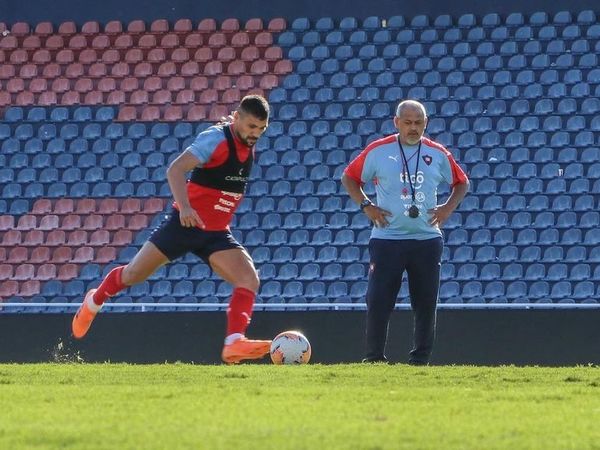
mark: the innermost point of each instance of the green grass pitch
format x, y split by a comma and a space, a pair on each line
183, 406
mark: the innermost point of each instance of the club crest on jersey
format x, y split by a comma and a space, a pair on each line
427, 159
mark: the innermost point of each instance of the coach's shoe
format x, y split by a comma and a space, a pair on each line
245, 349
84, 316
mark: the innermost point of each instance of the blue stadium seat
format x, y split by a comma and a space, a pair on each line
512, 271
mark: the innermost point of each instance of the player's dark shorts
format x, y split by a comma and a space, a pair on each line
175, 240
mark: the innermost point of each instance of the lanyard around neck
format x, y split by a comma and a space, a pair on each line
405, 164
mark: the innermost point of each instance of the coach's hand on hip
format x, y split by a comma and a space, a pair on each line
377, 215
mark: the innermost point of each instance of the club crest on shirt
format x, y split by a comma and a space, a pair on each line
427, 159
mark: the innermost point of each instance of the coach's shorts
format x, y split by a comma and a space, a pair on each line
175, 240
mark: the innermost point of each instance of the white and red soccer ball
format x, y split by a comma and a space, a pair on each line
290, 347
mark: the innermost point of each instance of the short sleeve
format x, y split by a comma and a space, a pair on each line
206, 143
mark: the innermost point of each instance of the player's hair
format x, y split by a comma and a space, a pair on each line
410, 104
255, 105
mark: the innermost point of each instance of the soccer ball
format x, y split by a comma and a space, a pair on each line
290, 347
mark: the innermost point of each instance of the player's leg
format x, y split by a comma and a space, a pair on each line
144, 264
385, 278
423, 283
235, 266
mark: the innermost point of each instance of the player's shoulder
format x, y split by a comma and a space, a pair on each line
381, 143
436, 146
211, 137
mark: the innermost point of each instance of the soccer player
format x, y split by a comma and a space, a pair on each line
220, 159
407, 169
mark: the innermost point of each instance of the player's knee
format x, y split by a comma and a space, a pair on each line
249, 281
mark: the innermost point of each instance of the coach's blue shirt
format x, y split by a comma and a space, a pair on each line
382, 163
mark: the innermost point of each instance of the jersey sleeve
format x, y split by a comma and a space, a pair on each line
452, 172
206, 143
361, 168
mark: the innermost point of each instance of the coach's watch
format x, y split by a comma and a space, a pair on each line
366, 202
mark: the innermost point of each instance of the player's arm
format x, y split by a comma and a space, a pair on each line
374, 213
176, 176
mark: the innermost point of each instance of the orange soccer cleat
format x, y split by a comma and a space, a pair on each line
245, 349
84, 316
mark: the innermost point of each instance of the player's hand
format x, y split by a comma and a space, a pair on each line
190, 218
439, 214
377, 215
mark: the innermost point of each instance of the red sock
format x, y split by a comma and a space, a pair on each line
239, 311
111, 285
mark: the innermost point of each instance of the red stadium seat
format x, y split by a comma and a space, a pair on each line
257, 91
51, 70
236, 68
48, 222
29, 288
105, 255
268, 82
199, 83
108, 206
170, 40
56, 238
150, 114
213, 68
64, 206
231, 96
217, 112
6, 272
183, 26
55, 42
185, 97
7, 71
67, 28
226, 54
131, 206
93, 222
46, 272
162, 97
208, 97
85, 206
9, 42
127, 114
78, 42
31, 42
101, 42
116, 98
207, 25
2, 254
9, 288
19, 56
91, 27
134, 56
87, 56
250, 54
240, 40
63, 57
44, 29
71, 222
159, 26
138, 222
196, 113
190, 69
70, 98
115, 222
230, 24
147, 41
17, 255
77, 238
273, 54
67, 271
259, 67
167, 69
97, 70
254, 24
152, 84
138, 97
180, 55
153, 205
5, 98
111, 56
203, 54
38, 86
283, 67
129, 84
74, 70
123, 41
176, 84
15, 85
120, 70
94, 98
20, 29
217, 40
60, 85
41, 206
122, 238
99, 237
24, 272
40, 255
83, 255
143, 70
33, 238
222, 82
173, 113
47, 98
277, 25
7, 223
245, 82
83, 85
27, 222
25, 98
193, 40
136, 27
113, 27
156, 55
